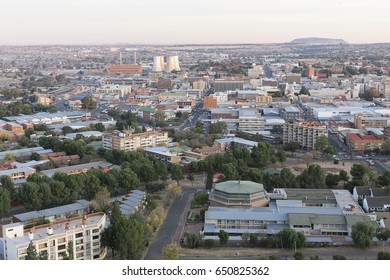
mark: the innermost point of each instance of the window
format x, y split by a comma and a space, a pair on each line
78, 235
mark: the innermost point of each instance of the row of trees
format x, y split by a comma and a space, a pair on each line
147, 169
69, 146
20, 107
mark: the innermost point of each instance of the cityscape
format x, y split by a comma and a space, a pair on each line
190, 148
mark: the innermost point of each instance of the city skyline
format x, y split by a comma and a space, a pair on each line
191, 22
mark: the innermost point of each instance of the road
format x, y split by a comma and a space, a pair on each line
167, 231
197, 113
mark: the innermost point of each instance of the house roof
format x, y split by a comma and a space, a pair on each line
363, 190
379, 201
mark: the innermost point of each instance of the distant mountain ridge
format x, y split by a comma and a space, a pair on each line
318, 41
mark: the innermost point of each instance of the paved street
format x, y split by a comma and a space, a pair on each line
172, 222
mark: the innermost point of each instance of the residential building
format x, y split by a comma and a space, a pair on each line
362, 121
163, 154
77, 169
359, 142
18, 173
376, 204
128, 141
84, 232
387, 86
306, 133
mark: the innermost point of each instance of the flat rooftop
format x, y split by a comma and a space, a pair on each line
312, 196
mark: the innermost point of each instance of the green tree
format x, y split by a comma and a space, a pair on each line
321, 143
67, 129
176, 172
5, 200
245, 236
9, 156
7, 183
28, 132
101, 203
339, 257
312, 178
217, 128
193, 239
32, 253
223, 237
191, 178
88, 103
292, 239
171, 251
299, 256
253, 239
100, 127
332, 180
343, 175
304, 91
291, 147
362, 234
35, 156
69, 255
383, 256
329, 152
209, 243
361, 174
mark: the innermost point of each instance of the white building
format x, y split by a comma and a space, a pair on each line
83, 232
306, 133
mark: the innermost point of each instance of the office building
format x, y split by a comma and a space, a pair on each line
306, 133
128, 141
358, 142
362, 121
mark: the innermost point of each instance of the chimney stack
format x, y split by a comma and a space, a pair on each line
67, 226
85, 221
135, 57
30, 235
49, 231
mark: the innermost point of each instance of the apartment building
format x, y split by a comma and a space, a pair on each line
360, 142
306, 133
128, 141
18, 173
53, 239
362, 121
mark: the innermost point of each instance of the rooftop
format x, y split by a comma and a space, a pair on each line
239, 187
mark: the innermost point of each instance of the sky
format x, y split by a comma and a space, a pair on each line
30, 22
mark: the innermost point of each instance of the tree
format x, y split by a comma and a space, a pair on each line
312, 178
299, 256
69, 255
292, 239
101, 201
7, 183
171, 251
245, 236
223, 237
100, 127
35, 156
28, 132
383, 256
5, 200
384, 179
88, 103
339, 257
209, 243
67, 129
217, 128
332, 180
32, 253
362, 234
253, 239
307, 159
383, 234
304, 91
343, 175
329, 152
321, 143
191, 178
292, 147
209, 178
176, 172
361, 174
9, 156
193, 239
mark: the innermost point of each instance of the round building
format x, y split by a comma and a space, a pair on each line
238, 194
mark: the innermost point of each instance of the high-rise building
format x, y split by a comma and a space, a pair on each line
127, 141
53, 240
306, 133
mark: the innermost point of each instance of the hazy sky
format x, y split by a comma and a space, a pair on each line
191, 21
